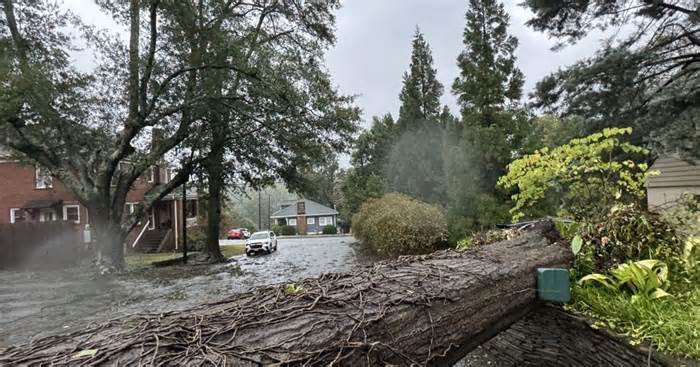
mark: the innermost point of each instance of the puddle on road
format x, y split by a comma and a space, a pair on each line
36, 304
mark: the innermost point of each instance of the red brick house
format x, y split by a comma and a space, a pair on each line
28, 194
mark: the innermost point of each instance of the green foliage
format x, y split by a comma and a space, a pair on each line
464, 244
685, 219
396, 224
415, 165
488, 77
421, 92
684, 216
294, 289
482, 238
197, 237
670, 324
551, 131
587, 172
330, 229
576, 245
644, 279
636, 80
287, 230
629, 233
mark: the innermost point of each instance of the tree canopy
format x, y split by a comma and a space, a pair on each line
648, 79
249, 72
421, 91
489, 77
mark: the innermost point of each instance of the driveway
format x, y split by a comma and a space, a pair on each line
51, 302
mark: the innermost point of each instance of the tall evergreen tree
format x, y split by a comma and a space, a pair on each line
489, 78
488, 89
421, 92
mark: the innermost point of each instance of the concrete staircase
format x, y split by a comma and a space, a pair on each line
151, 240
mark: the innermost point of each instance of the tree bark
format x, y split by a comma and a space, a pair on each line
109, 237
416, 310
215, 178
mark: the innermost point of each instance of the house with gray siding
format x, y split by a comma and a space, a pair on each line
677, 177
307, 216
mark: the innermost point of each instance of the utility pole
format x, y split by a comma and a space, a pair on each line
184, 221
259, 211
269, 212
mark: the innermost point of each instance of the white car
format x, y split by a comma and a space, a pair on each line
261, 241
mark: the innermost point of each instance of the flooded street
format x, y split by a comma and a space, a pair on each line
34, 304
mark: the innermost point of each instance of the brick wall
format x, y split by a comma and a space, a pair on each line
18, 185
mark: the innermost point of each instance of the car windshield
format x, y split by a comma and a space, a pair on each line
259, 236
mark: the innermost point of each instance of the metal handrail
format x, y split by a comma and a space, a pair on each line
148, 222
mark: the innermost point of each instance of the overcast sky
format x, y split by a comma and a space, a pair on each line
374, 46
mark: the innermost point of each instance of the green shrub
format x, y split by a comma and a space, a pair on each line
197, 237
397, 224
630, 233
330, 229
287, 230
685, 219
589, 174
644, 279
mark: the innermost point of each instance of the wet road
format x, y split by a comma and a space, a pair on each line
38, 304
299, 258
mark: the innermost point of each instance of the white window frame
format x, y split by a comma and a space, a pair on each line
310, 220
292, 222
65, 212
152, 174
42, 181
13, 216
325, 221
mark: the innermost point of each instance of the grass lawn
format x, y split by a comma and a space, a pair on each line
232, 250
134, 261
671, 324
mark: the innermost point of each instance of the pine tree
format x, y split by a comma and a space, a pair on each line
489, 78
421, 92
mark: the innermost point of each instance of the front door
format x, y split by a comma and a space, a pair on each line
47, 215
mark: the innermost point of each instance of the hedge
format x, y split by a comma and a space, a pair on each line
397, 224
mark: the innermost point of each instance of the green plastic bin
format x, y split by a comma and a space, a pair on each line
553, 285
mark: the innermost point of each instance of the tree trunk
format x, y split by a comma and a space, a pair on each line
419, 310
215, 177
109, 238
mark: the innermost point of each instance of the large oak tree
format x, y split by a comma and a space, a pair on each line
84, 126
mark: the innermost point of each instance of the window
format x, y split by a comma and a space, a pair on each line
151, 174
292, 221
131, 208
47, 215
42, 178
325, 221
310, 220
71, 213
17, 215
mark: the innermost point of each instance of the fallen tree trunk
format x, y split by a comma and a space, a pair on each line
415, 310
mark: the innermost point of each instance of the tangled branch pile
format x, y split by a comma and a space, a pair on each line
415, 310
